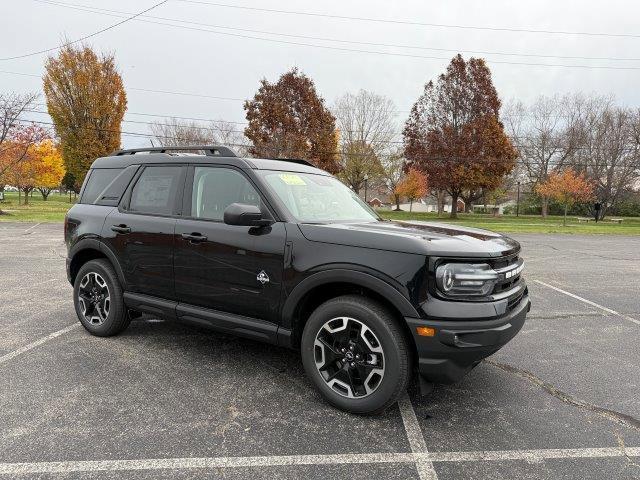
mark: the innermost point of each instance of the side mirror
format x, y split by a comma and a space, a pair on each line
245, 215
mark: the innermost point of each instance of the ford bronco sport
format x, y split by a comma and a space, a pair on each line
282, 252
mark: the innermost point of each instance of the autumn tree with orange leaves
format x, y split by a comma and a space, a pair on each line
288, 119
567, 188
454, 134
413, 186
86, 100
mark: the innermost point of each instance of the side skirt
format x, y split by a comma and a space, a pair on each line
253, 328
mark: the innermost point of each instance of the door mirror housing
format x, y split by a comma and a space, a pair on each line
245, 215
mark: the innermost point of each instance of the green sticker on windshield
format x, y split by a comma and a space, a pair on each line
291, 179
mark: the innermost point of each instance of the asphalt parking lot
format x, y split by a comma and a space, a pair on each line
562, 400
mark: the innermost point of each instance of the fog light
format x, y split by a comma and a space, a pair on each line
426, 331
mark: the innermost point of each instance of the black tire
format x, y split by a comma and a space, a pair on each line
395, 353
105, 323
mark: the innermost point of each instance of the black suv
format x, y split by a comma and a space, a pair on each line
282, 252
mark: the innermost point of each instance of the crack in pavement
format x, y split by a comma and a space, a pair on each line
618, 417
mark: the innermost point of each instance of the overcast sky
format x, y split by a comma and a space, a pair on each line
162, 57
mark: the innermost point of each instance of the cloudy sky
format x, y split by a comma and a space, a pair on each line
210, 49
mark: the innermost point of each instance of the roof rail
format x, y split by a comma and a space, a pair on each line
210, 150
296, 160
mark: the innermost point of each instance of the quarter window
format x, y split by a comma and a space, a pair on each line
214, 189
155, 191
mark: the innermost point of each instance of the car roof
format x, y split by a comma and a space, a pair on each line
290, 165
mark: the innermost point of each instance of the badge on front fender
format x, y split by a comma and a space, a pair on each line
263, 277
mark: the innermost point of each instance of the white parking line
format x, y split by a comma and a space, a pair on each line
589, 302
32, 227
188, 463
416, 439
8, 356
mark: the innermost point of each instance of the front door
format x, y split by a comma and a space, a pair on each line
223, 267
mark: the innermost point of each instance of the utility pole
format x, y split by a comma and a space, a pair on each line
366, 178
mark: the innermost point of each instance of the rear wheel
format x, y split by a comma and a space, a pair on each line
98, 299
356, 354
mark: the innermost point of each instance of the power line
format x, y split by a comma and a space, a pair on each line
354, 50
337, 153
86, 36
409, 22
337, 40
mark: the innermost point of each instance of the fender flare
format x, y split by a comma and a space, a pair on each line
341, 275
96, 244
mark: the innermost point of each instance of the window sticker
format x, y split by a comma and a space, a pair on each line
291, 179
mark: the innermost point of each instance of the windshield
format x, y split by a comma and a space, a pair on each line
314, 198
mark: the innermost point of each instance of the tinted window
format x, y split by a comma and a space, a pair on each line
98, 180
111, 195
155, 191
214, 189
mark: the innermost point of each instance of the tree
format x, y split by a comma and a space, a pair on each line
547, 134
51, 170
453, 133
360, 164
366, 123
86, 100
173, 132
393, 172
566, 187
15, 135
413, 186
289, 119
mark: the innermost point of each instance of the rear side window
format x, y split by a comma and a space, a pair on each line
98, 180
155, 191
110, 196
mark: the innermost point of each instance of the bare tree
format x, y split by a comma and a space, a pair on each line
609, 152
366, 123
173, 132
544, 134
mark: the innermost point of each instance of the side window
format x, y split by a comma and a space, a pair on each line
214, 189
99, 179
155, 191
110, 196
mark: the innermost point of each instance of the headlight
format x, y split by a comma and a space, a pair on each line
466, 279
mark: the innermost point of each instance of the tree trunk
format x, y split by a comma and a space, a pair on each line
410, 204
545, 206
26, 197
45, 193
564, 220
440, 201
397, 199
19, 195
454, 206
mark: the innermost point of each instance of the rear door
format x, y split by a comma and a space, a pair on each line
223, 267
141, 231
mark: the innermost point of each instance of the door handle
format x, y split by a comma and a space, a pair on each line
194, 237
121, 228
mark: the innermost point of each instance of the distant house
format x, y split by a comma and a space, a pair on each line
376, 202
430, 204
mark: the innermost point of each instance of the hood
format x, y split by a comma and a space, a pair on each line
423, 238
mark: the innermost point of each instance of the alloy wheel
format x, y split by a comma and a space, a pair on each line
349, 357
94, 298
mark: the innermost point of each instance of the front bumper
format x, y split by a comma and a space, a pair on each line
458, 346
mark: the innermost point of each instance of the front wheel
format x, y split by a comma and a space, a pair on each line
356, 354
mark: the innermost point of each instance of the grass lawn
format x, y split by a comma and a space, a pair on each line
525, 223
38, 210
53, 210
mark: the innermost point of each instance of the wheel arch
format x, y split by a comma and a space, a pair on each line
323, 286
92, 249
